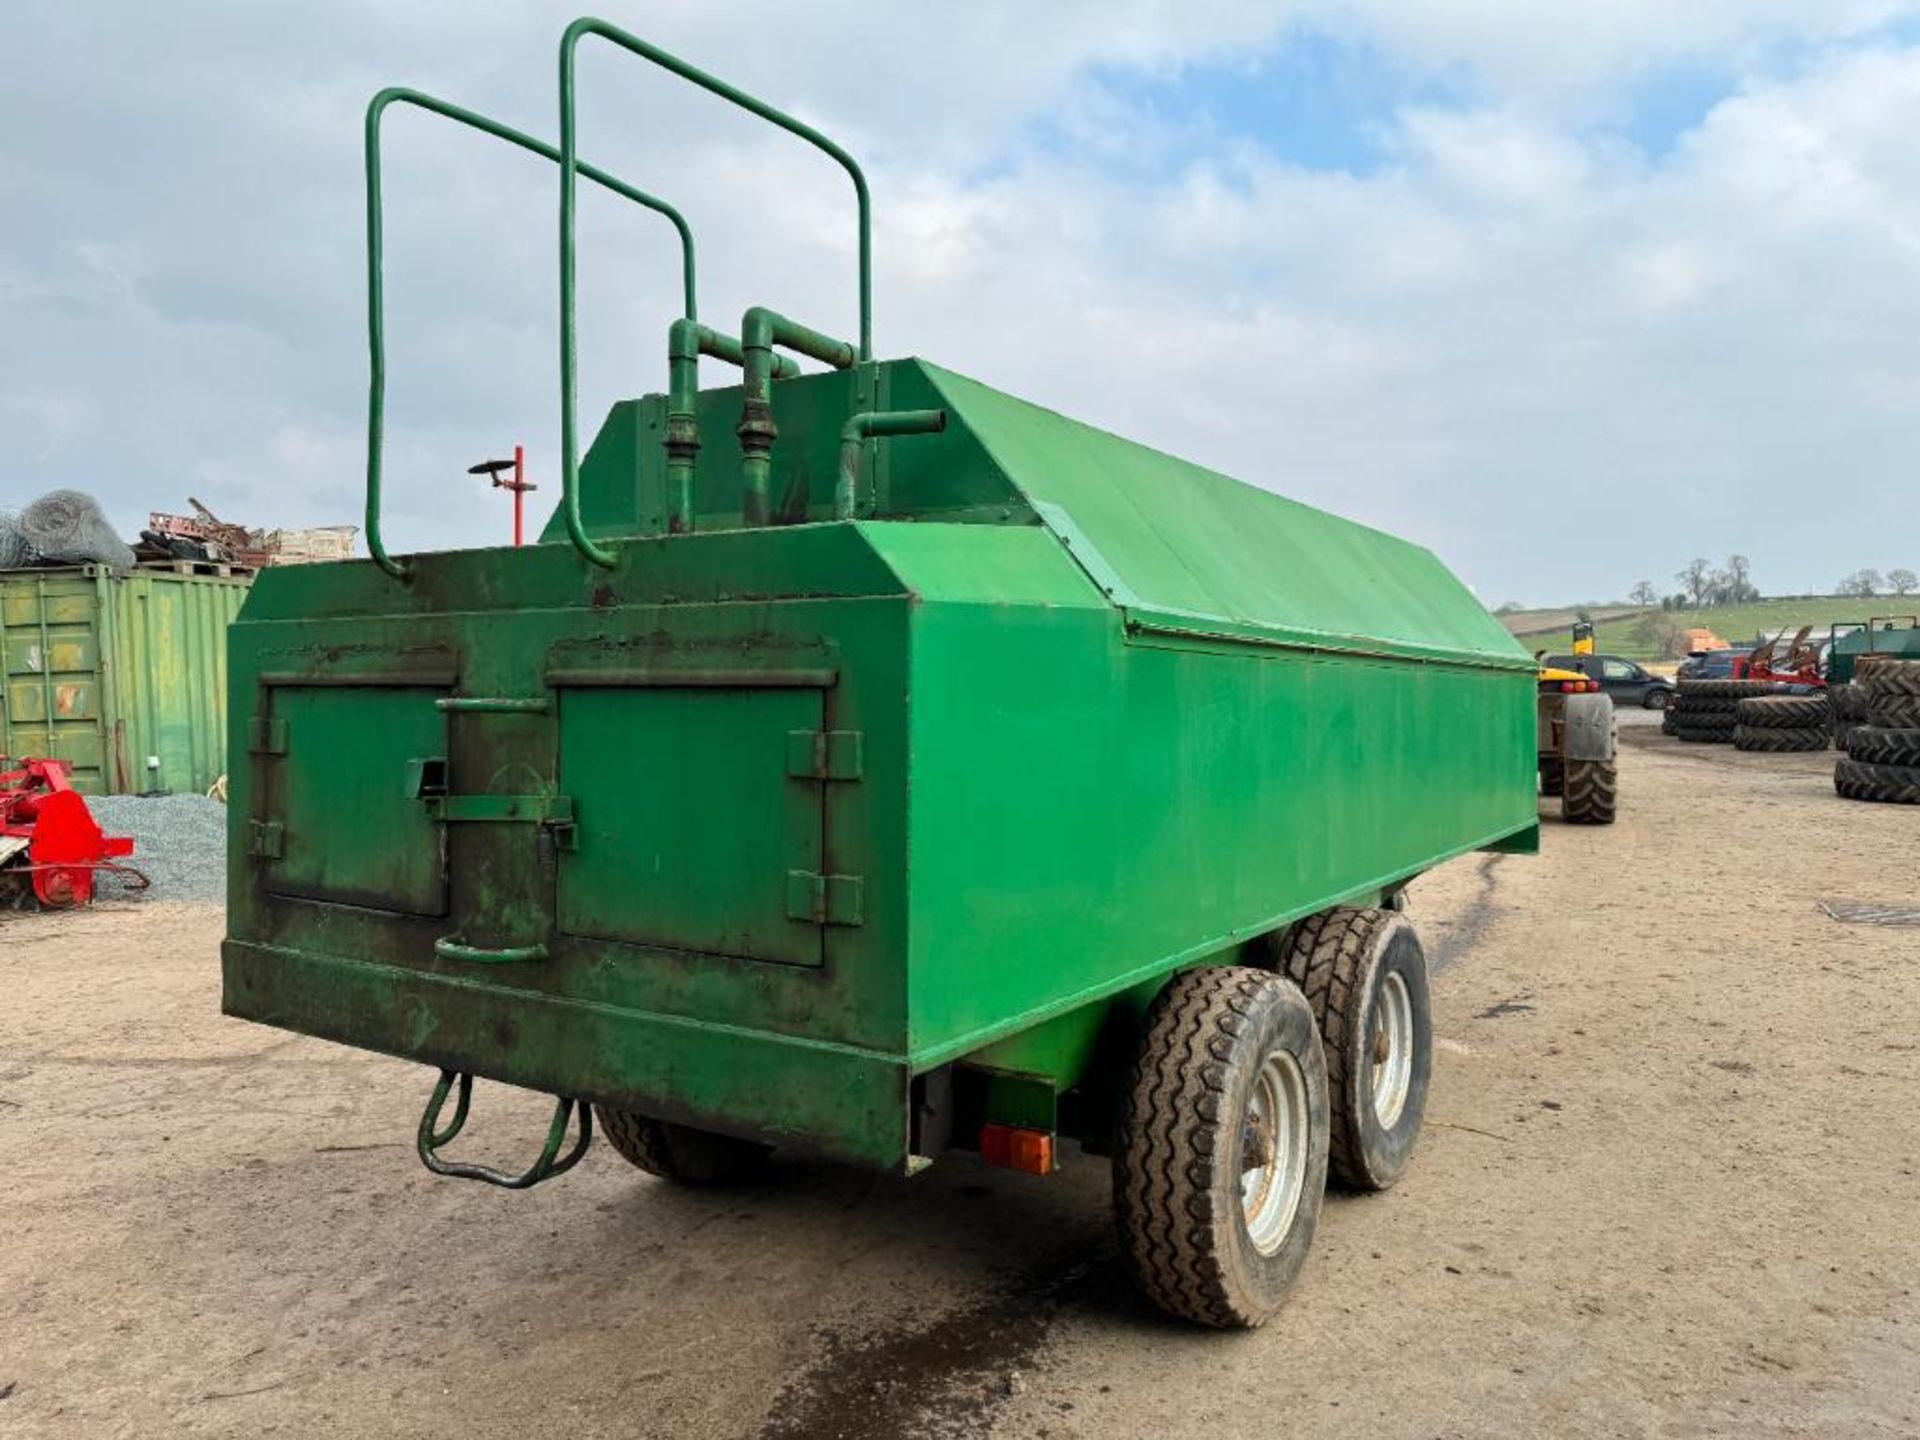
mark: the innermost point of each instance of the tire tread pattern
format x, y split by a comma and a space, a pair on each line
1592, 792
1876, 746
1889, 784
1174, 1110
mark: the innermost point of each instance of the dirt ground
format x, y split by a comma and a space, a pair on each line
1670, 1186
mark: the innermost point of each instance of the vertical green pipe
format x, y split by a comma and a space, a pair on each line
875, 424
376, 264
760, 330
686, 343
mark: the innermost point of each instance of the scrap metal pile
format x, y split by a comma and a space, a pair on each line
204, 536
51, 847
68, 527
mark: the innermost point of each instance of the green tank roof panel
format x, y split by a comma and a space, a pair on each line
1183, 548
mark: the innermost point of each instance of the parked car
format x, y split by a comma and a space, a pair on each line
1625, 681
1709, 665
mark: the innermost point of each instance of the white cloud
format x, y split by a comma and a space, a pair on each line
1565, 364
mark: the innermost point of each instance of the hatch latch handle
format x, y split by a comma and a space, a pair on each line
432, 1139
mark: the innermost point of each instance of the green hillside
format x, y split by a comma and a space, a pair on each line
1637, 634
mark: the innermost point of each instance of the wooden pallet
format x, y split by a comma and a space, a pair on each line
223, 568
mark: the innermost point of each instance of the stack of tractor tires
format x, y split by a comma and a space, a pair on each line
1883, 754
1778, 724
1704, 710
1849, 709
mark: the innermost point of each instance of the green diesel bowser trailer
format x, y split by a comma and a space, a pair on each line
869, 764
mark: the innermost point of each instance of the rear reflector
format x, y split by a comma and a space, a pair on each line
1028, 1151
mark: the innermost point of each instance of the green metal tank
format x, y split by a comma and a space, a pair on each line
865, 796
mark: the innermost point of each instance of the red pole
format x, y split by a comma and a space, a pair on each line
519, 493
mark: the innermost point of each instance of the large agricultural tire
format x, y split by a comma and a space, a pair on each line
1771, 739
1593, 787
1670, 722
1724, 689
680, 1152
1365, 975
1849, 702
1893, 712
1220, 1162
1784, 712
1707, 704
1874, 746
1553, 775
1893, 677
1706, 734
1892, 784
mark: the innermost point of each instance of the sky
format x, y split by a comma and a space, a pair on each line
1568, 293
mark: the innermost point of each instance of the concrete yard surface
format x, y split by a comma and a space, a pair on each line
1670, 1187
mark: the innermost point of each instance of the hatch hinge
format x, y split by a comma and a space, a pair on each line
266, 839
824, 754
266, 735
824, 899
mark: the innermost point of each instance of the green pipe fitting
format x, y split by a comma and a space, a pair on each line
687, 341
376, 269
569, 362
876, 425
760, 330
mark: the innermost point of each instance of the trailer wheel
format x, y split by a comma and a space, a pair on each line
680, 1152
1221, 1159
1365, 975
1593, 787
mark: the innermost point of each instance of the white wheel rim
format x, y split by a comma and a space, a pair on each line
1274, 1152
1392, 1049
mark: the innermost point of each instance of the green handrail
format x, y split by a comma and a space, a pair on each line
569, 425
376, 290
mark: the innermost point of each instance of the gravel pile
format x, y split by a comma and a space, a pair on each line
179, 842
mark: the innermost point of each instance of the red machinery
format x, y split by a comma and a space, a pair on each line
49, 837
1792, 662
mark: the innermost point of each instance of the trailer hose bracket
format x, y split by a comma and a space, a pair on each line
432, 1139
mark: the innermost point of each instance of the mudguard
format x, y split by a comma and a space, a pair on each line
1587, 728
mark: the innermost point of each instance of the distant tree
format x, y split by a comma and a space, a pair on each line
1739, 581
1862, 583
1902, 582
1508, 607
1644, 595
1695, 579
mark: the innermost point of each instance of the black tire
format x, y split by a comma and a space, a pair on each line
1874, 746
1187, 1134
1706, 735
1724, 689
1343, 960
680, 1152
1552, 775
1706, 705
1773, 740
1893, 677
1670, 722
1849, 702
1593, 787
1657, 699
1893, 712
1891, 784
1786, 712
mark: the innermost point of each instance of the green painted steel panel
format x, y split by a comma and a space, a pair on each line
1187, 548
112, 675
689, 823
341, 782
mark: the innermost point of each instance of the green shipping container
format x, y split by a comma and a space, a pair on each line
125, 680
